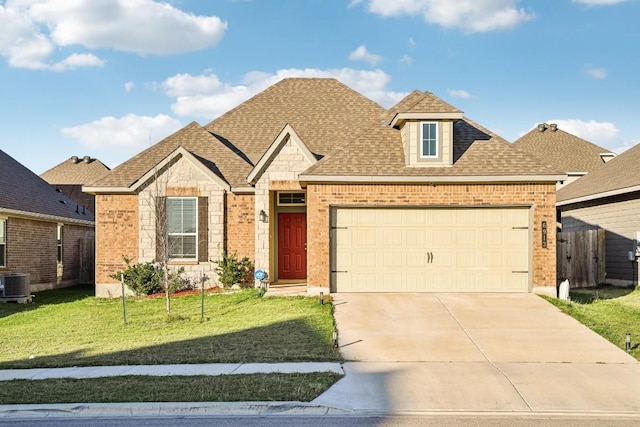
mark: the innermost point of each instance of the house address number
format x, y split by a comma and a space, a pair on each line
544, 234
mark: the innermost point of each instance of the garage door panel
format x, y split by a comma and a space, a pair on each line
427, 250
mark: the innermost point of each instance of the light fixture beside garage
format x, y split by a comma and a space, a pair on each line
263, 216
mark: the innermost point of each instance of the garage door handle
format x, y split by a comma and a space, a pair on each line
520, 271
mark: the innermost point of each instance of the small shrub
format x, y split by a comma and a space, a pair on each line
146, 278
233, 271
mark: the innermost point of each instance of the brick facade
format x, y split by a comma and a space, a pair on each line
32, 249
321, 197
240, 225
117, 231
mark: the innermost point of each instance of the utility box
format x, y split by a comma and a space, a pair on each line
15, 287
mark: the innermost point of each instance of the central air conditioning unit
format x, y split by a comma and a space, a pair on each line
15, 286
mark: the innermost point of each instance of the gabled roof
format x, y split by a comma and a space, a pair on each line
478, 154
423, 107
76, 170
618, 176
26, 194
287, 133
562, 150
218, 157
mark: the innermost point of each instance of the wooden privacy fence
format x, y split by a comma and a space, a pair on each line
86, 252
581, 257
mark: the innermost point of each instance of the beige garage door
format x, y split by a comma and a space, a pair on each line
430, 250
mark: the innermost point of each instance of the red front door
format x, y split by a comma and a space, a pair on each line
292, 245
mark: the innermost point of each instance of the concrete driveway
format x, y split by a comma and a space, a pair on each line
475, 352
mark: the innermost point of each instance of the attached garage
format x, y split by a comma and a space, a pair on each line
475, 249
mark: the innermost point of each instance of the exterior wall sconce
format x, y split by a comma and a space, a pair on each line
263, 216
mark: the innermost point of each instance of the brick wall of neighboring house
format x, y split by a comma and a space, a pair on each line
240, 225
31, 249
320, 197
117, 230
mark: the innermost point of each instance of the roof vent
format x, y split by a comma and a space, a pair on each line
74, 159
86, 159
542, 127
553, 127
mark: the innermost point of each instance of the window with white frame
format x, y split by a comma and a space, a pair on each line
59, 241
429, 139
182, 228
3, 242
297, 198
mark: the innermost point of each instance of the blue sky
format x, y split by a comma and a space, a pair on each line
107, 78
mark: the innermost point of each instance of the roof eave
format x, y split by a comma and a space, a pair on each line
45, 217
399, 118
601, 195
431, 179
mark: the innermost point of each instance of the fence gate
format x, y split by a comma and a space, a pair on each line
581, 257
86, 253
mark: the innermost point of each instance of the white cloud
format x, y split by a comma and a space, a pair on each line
600, 133
412, 42
361, 54
32, 29
599, 2
596, 72
407, 59
206, 96
468, 15
128, 86
354, 3
130, 132
459, 93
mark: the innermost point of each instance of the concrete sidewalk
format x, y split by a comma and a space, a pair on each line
168, 370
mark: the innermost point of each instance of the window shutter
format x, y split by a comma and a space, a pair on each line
203, 229
161, 229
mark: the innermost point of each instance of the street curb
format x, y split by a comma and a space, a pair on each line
165, 409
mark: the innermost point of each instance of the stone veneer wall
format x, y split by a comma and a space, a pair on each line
182, 179
320, 198
289, 161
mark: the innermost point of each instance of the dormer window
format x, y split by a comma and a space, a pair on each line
429, 139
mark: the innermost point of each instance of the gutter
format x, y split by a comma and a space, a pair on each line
598, 195
430, 179
46, 217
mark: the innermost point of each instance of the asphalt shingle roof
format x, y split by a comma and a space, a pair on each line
76, 170
562, 150
617, 174
212, 152
23, 190
476, 152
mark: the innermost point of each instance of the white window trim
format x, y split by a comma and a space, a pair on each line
3, 224
421, 141
60, 242
291, 204
169, 257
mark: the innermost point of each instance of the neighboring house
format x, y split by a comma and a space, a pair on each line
563, 151
41, 229
70, 175
319, 185
608, 198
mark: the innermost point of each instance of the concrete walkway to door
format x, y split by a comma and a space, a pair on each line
475, 352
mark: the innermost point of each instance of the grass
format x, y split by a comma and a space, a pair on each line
70, 327
610, 311
224, 388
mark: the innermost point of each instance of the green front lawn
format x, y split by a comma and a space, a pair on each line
224, 388
70, 327
610, 311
